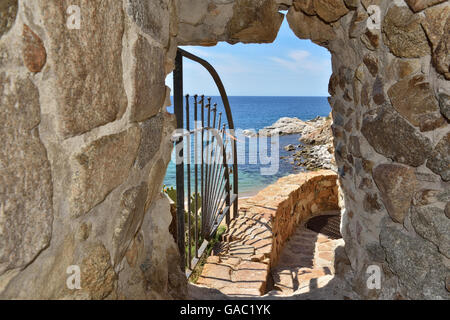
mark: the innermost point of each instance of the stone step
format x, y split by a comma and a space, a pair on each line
235, 276
306, 260
237, 249
258, 240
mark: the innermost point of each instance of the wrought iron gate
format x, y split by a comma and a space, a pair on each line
214, 193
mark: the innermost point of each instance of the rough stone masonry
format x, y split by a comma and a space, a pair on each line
81, 167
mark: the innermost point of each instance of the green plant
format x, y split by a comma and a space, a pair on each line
195, 217
190, 245
171, 192
198, 269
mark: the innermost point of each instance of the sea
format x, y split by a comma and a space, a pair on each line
256, 113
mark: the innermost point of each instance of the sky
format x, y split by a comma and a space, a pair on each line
287, 67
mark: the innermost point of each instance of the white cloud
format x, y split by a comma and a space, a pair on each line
302, 60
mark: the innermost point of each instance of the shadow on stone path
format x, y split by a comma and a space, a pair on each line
306, 257
305, 270
268, 253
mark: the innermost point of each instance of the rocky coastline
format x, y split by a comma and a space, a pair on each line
315, 149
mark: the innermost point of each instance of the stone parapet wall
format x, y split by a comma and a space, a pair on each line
292, 201
253, 243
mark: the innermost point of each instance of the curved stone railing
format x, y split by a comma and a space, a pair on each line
254, 241
292, 201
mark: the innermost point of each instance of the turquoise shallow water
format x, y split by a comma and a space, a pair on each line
257, 113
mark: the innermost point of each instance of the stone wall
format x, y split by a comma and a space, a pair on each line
390, 99
85, 145
389, 94
290, 202
86, 137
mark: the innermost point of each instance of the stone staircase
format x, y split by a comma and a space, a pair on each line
242, 265
306, 259
255, 256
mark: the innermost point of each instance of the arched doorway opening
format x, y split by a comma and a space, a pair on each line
294, 124
372, 67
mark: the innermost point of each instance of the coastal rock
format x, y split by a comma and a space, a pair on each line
316, 150
289, 147
316, 157
319, 133
283, 126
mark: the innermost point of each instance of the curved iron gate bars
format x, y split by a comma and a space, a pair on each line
215, 192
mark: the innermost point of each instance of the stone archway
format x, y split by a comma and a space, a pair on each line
87, 139
389, 96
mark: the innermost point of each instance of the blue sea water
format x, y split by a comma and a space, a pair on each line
257, 113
